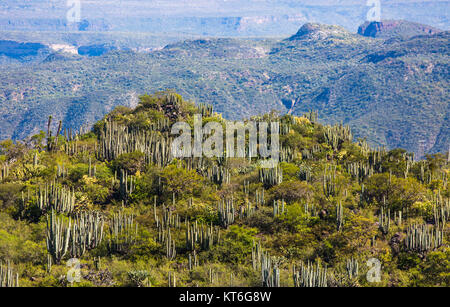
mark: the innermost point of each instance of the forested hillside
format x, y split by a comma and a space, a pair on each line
378, 86
115, 198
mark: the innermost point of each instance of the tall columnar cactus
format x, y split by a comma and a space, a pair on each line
398, 218
122, 232
441, 211
87, 233
4, 172
116, 139
171, 251
259, 197
218, 174
422, 238
246, 188
360, 170
226, 212
271, 176
352, 267
278, 208
339, 216
385, 220
192, 261
172, 280
126, 184
336, 135
329, 182
246, 211
53, 197
310, 276
8, 278
58, 236
268, 266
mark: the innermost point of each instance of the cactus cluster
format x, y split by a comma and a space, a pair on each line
259, 197
122, 232
192, 261
75, 237
116, 139
218, 174
352, 268
441, 211
202, 235
126, 184
271, 176
329, 182
246, 211
8, 278
87, 233
360, 170
226, 212
336, 135
310, 275
61, 171
422, 238
308, 153
53, 197
58, 236
205, 109
385, 220
278, 208
268, 266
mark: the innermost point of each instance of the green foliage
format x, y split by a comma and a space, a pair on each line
135, 217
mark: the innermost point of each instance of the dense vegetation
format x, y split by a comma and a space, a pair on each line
378, 87
116, 199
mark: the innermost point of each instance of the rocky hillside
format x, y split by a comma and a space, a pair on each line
330, 213
394, 92
395, 29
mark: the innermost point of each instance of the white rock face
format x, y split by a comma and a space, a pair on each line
64, 48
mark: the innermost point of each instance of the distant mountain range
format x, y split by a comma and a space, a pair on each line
390, 83
229, 18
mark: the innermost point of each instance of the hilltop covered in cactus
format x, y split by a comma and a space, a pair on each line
116, 199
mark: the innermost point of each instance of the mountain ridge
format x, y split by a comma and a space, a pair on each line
346, 78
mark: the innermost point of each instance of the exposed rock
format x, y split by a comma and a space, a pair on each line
315, 31
395, 28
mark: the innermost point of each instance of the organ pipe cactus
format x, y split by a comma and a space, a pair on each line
122, 232
385, 220
226, 212
58, 236
87, 233
329, 182
339, 216
422, 238
278, 208
270, 273
309, 275
352, 268
271, 176
8, 278
53, 197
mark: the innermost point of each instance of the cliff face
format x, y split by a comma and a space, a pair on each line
395, 28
